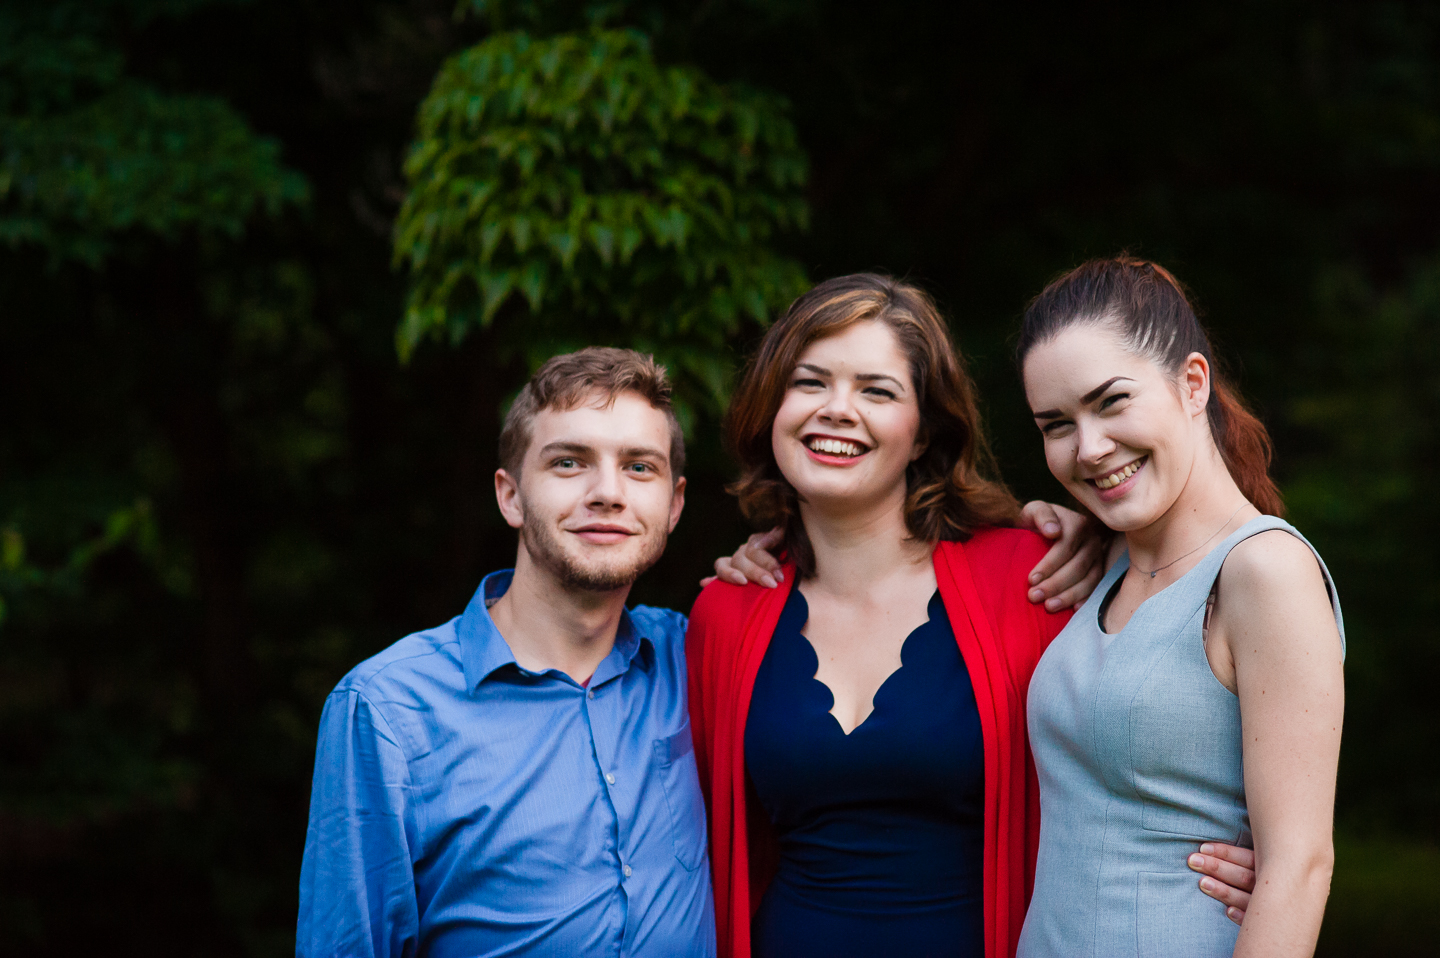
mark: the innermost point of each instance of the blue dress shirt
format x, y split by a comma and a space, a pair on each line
463, 806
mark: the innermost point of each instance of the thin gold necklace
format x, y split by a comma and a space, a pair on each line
1159, 569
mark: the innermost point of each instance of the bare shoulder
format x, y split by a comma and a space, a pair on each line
1271, 565
1273, 577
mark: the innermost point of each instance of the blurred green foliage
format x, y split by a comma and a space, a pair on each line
575, 176
220, 489
89, 154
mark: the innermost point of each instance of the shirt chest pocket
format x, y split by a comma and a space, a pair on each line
675, 767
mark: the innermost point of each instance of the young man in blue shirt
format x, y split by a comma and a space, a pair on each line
520, 780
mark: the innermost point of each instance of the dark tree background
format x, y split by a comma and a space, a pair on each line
220, 487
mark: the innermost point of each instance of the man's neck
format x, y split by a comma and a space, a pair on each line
549, 625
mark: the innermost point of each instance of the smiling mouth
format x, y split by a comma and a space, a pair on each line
1119, 475
603, 533
828, 446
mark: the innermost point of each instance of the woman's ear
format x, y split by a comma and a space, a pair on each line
1195, 383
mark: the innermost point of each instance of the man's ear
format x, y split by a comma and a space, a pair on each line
507, 497
677, 502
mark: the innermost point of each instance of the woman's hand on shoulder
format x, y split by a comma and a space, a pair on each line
752, 562
1067, 574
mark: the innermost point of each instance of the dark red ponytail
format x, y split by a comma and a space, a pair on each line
1245, 446
1152, 312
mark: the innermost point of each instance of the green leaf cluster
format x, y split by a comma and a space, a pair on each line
89, 154
597, 195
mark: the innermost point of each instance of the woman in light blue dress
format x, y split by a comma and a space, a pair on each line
1197, 695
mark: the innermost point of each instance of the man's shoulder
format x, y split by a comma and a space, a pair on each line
660, 626
420, 655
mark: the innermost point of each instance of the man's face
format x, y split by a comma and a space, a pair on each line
595, 499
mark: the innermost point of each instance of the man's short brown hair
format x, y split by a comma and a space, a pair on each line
565, 381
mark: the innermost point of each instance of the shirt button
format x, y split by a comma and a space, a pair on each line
589, 693
627, 871
610, 778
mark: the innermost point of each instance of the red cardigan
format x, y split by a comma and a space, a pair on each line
1001, 636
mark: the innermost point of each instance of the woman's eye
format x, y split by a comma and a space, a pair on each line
1055, 427
808, 384
880, 391
1109, 401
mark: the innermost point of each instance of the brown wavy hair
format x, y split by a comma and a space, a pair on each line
952, 487
1152, 312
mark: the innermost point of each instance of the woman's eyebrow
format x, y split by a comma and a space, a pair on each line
873, 377
1086, 399
821, 370
1099, 390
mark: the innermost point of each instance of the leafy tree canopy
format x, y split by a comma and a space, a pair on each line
576, 180
89, 153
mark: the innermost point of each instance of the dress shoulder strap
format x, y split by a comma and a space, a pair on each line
1201, 579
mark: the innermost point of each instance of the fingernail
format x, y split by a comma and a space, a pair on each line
1036, 595
779, 577
1052, 528
767, 582
1052, 605
1034, 577
1207, 849
1196, 861
1234, 914
1207, 884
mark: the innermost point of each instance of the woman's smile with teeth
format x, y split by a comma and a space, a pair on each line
1120, 475
835, 447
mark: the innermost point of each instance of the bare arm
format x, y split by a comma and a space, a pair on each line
1064, 577
1274, 642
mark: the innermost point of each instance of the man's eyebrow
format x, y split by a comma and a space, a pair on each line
576, 448
1086, 399
644, 452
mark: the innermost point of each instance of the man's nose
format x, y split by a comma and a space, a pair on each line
607, 491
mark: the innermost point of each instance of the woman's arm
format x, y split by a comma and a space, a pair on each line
1274, 642
1062, 579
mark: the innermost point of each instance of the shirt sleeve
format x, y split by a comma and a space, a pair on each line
357, 887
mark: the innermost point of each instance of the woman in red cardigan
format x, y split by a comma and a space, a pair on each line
860, 731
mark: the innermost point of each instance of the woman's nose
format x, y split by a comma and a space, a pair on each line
839, 407
1094, 444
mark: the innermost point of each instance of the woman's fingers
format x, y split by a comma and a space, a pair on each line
1073, 582
1042, 518
1239, 863
752, 562
725, 571
1225, 881
1071, 529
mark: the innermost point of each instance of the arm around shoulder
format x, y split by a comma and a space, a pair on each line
357, 887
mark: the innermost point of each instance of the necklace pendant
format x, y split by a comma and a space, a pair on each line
1153, 574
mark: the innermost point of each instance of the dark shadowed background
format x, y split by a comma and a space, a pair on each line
247, 421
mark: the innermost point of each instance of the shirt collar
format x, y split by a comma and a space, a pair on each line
484, 651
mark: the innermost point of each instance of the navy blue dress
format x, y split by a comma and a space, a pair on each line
881, 831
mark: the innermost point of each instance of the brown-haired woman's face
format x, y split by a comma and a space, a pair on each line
847, 424
1119, 432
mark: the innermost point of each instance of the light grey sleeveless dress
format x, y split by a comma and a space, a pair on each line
1138, 748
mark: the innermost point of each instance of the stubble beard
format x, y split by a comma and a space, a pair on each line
543, 544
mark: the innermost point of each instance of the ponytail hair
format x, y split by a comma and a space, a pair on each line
1154, 317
